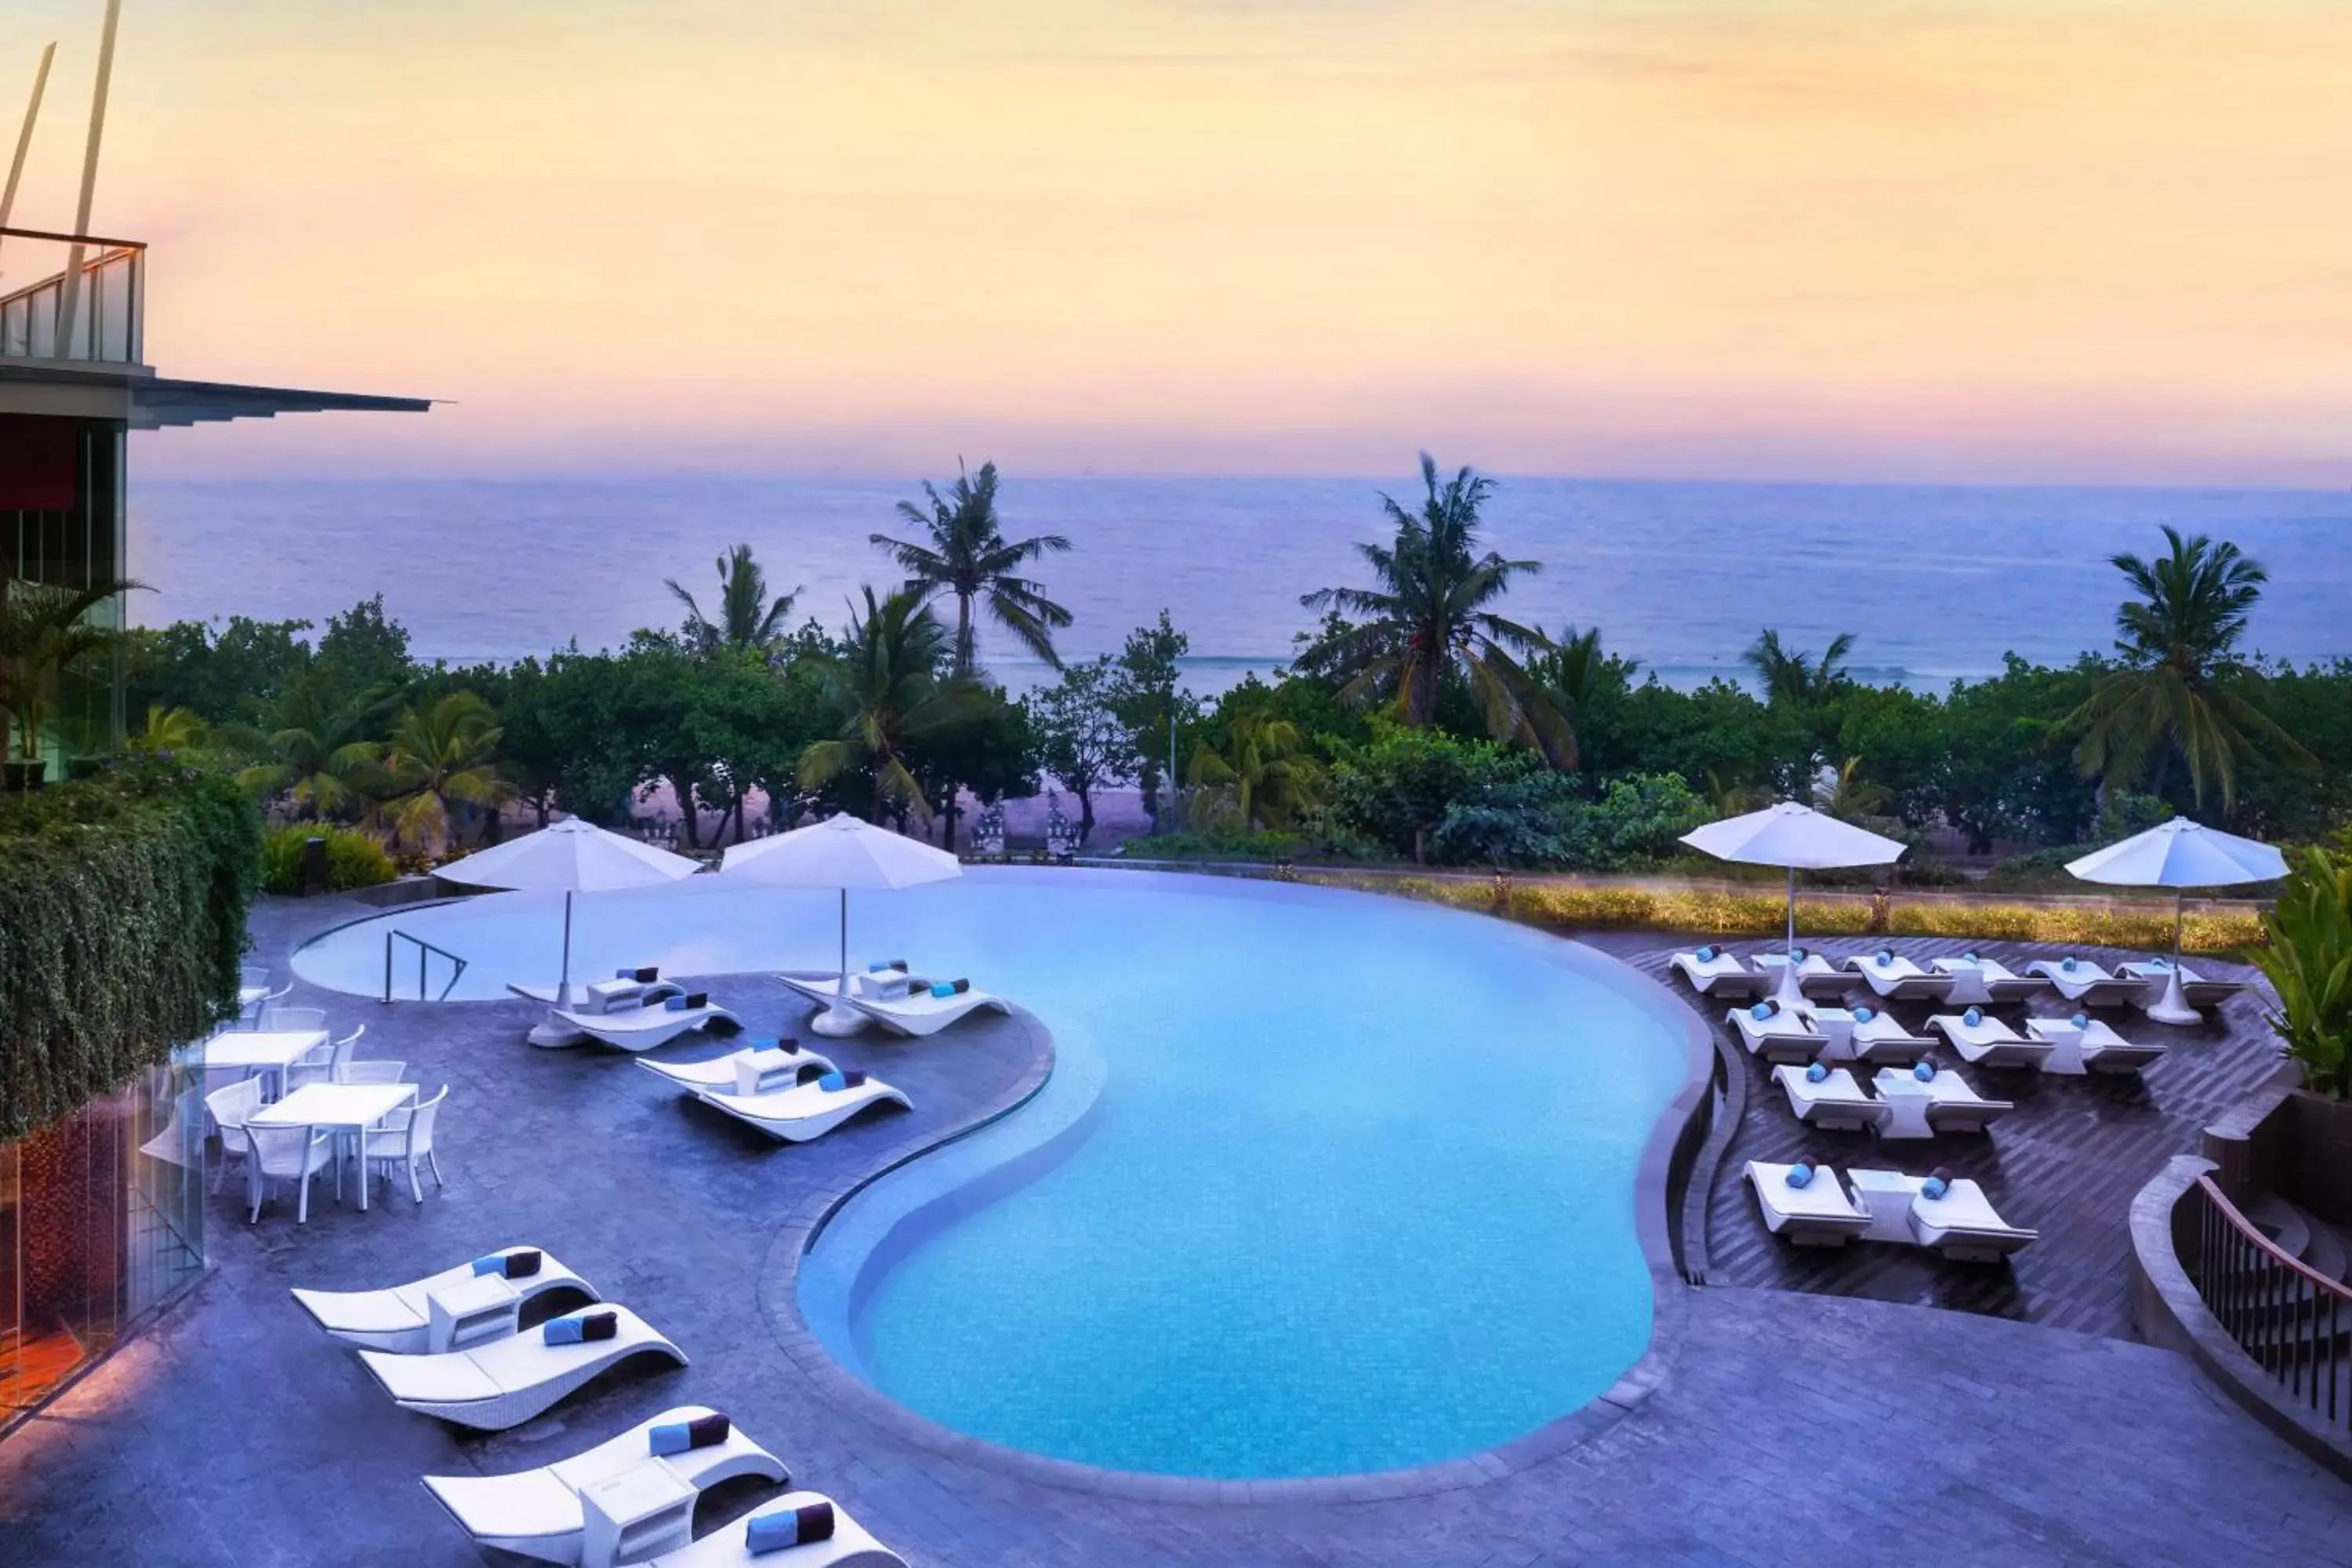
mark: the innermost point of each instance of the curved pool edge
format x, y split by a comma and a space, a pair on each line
1654, 1197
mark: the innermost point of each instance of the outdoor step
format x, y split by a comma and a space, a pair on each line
2328, 1252
2281, 1221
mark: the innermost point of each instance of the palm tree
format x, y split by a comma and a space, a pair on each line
170, 730
326, 758
2178, 692
748, 618
1796, 677
1267, 766
45, 632
889, 693
1852, 797
437, 757
1426, 619
969, 557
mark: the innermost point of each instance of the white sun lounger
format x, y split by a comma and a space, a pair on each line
1725, 975
1897, 979
1816, 975
643, 1029
1816, 1214
720, 1072
1881, 1039
1986, 981
396, 1319
850, 1547
922, 1013
2195, 989
1785, 1036
1836, 1102
507, 1382
2088, 985
537, 1513
1962, 1225
1988, 1042
804, 1112
2091, 1047
1943, 1103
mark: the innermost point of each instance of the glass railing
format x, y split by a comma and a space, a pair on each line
85, 301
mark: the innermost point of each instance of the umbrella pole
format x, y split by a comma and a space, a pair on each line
553, 1030
2173, 1008
840, 1018
564, 984
1791, 993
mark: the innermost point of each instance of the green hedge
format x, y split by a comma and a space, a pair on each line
354, 859
122, 919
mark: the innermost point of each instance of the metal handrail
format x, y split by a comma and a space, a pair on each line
72, 239
2286, 1315
423, 949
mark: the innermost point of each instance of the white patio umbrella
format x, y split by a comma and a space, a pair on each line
1797, 839
572, 856
842, 853
2179, 855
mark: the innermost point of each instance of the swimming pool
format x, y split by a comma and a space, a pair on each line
1323, 1182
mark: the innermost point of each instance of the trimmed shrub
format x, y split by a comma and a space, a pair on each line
125, 899
354, 859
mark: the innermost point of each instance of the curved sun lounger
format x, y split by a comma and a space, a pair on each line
1881, 1040
1816, 1214
1785, 1036
1816, 975
1942, 1104
643, 1029
1988, 1042
2195, 989
2083, 982
1986, 981
1897, 979
719, 1072
850, 1547
537, 1513
1837, 1102
1724, 974
805, 1111
506, 1382
2093, 1048
395, 1319
1962, 1225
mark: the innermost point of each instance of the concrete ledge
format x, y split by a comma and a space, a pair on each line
2168, 1311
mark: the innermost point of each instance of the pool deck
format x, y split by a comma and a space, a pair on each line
1790, 1426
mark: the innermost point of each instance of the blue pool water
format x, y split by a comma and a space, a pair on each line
1347, 1185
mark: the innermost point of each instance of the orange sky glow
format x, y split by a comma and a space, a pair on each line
1996, 241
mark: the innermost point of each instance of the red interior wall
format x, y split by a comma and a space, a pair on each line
40, 463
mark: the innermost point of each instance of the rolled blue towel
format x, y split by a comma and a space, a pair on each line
562, 1331
2081, 1020
625, 975
1761, 1010
1885, 957
492, 1263
878, 966
2066, 963
1973, 1017
675, 1004
944, 988
1799, 953
1968, 958
1863, 1014
1934, 1187
1817, 1073
781, 1528
1705, 955
679, 1437
1800, 1174
1924, 1071
832, 1081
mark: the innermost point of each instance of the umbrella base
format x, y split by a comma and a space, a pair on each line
2173, 1008
835, 1021
553, 1031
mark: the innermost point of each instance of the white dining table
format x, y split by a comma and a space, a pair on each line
270, 1051
341, 1108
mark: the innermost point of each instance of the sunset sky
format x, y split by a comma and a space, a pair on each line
1837, 239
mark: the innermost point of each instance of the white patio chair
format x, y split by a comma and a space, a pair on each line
372, 1072
229, 1105
405, 1137
249, 1015
325, 1064
290, 1154
291, 1018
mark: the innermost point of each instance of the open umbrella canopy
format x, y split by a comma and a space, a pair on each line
2181, 854
843, 852
570, 857
1793, 835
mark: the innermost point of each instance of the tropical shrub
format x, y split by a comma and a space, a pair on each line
2308, 961
125, 900
354, 859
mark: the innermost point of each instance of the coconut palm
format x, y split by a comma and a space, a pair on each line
439, 757
1266, 767
325, 755
169, 729
969, 556
748, 616
889, 693
1794, 677
46, 632
1852, 797
2181, 690
1427, 619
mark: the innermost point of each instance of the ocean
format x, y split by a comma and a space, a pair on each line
1934, 582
